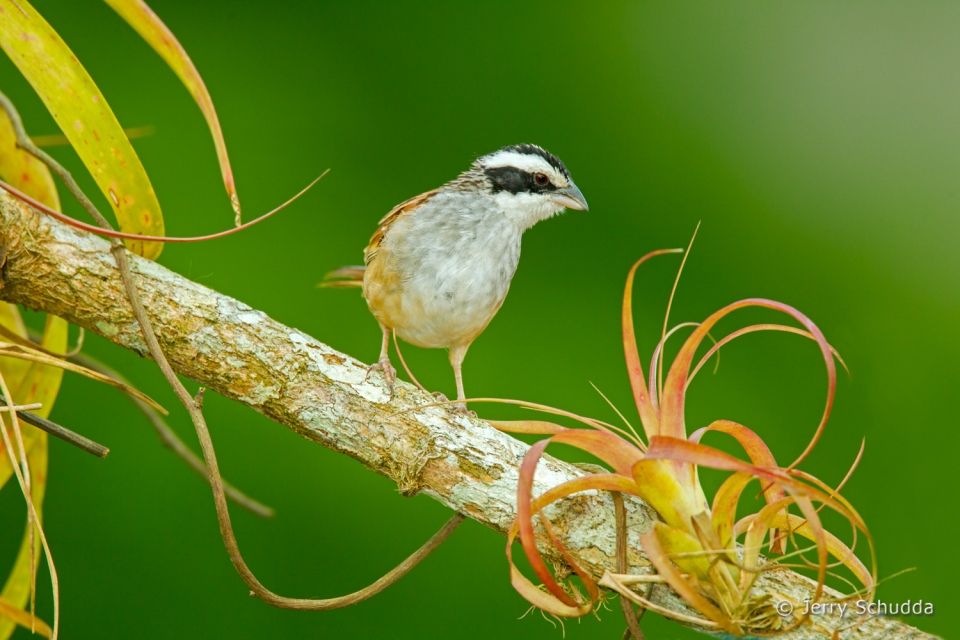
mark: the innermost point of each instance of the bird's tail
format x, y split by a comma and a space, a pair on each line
343, 278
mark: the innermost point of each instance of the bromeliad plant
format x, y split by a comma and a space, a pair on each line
698, 548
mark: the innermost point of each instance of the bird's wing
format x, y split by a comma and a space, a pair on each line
403, 208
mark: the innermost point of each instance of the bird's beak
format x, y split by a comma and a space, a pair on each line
571, 198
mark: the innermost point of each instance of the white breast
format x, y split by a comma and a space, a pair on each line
456, 255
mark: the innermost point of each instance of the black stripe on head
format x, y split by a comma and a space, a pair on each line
516, 181
534, 150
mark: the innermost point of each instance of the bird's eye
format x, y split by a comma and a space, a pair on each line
541, 179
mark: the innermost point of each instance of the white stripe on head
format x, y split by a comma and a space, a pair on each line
532, 163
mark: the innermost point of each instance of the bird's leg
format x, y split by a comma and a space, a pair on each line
457, 353
383, 364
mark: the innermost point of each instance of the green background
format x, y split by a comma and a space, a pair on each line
818, 143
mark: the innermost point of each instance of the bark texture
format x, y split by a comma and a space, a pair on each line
327, 397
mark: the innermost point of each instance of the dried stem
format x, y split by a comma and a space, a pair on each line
139, 237
193, 407
632, 618
34, 342
413, 378
171, 440
63, 433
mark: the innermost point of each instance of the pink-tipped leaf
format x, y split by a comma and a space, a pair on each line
672, 403
647, 413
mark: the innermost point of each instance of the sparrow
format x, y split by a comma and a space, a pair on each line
439, 265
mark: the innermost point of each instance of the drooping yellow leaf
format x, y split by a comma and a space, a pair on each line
155, 32
31, 176
21, 170
41, 384
13, 369
10, 318
16, 591
85, 118
24, 619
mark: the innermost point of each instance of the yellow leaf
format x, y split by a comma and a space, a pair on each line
155, 32
13, 369
24, 619
16, 591
21, 170
41, 384
85, 118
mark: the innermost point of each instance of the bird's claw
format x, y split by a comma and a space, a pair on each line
461, 407
389, 373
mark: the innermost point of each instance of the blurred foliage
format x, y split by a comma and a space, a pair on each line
817, 142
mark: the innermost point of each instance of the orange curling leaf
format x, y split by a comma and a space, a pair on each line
834, 545
753, 329
527, 507
525, 524
756, 449
648, 415
559, 607
672, 404
758, 452
609, 447
701, 455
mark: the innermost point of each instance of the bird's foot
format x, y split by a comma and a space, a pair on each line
461, 407
389, 373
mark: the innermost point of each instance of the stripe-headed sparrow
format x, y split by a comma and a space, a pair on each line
439, 266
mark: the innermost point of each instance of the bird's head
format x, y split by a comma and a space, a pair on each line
528, 183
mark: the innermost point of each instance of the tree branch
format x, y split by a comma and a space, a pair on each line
327, 397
